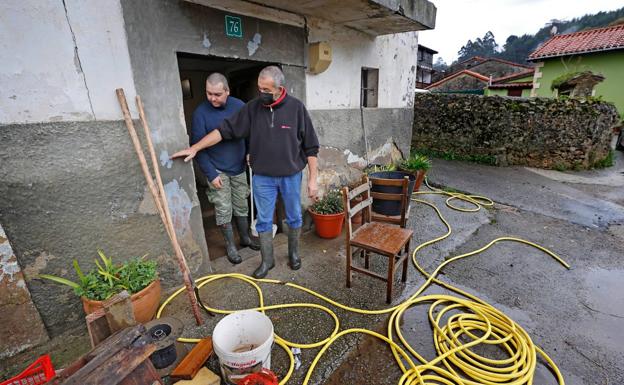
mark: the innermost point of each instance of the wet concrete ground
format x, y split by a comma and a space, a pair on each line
575, 315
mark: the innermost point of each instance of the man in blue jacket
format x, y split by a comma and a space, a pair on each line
224, 164
282, 141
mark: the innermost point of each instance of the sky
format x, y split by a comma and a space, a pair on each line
458, 21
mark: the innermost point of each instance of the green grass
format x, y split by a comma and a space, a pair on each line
449, 155
607, 161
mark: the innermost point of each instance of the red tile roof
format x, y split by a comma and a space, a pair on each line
482, 60
456, 74
512, 85
593, 40
511, 77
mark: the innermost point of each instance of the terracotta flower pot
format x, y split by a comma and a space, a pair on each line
327, 225
144, 303
420, 176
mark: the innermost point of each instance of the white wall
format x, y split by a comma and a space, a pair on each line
339, 86
62, 64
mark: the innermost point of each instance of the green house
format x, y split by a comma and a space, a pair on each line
598, 52
519, 85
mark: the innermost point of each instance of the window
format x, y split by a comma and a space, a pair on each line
517, 92
370, 84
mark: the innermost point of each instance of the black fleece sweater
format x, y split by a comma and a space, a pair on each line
281, 136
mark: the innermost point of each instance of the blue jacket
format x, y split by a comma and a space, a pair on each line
227, 156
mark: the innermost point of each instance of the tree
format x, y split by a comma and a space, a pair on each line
440, 65
485, 47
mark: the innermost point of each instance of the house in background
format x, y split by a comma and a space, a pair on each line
475, 74
424, 71
71, 182
489, 66
587, 55
517, 85
462, 82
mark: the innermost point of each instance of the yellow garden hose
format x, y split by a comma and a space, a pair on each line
458, 324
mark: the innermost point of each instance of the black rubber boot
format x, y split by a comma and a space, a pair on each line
294, 261
230, 246
242, 224
266, 250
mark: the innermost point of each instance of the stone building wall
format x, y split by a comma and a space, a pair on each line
460, 83
545, 133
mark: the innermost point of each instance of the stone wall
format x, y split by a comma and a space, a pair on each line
21, 324
546, 133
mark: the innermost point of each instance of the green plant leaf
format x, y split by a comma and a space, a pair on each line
78, 270
60, 280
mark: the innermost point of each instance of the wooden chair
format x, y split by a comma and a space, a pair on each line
403, 217
377, 237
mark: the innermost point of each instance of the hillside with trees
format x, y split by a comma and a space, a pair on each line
518, 48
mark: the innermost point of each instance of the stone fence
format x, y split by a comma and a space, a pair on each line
537, 132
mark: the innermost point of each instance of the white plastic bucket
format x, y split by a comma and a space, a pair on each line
243, 342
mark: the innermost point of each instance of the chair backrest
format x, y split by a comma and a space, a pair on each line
402, 197
364, 205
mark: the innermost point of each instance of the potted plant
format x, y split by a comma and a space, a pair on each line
418, 165
138, 276
328, 215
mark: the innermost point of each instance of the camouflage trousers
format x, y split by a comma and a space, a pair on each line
229, 199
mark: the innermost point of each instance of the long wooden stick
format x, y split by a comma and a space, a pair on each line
163, 196
159, 198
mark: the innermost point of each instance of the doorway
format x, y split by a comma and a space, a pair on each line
242, 77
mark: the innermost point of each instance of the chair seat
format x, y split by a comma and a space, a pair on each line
381, 238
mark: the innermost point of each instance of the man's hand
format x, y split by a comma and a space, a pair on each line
217, 183
313, 190
188, 153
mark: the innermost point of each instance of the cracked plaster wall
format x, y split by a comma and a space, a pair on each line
71, 182
339, 86
63, 61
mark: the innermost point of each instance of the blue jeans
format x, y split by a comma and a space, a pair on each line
265, 190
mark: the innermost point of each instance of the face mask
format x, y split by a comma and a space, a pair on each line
266, 98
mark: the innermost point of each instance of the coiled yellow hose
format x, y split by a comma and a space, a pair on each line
454, 321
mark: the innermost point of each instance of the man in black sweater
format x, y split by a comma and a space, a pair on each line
282, 141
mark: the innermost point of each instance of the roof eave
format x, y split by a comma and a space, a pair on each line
539, 58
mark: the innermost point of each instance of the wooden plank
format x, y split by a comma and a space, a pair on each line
97, 326
144, 374
360, 206
388, 182
203, 377
190, 365
122, 339
119, 312
358, 190
387, 196
395, 219
369, 273
116, 368
104, 352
